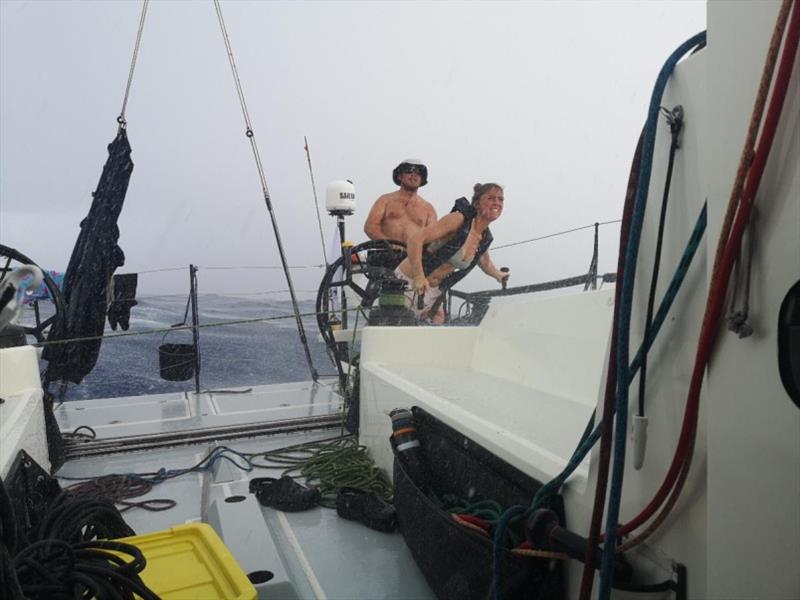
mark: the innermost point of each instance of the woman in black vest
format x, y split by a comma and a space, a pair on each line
442, 254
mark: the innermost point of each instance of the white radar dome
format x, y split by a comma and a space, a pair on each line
340, 197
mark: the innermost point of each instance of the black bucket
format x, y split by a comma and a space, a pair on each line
176, 361
457, 562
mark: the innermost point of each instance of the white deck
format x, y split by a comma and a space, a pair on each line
312, 554
161, 413
523, 384
747, 449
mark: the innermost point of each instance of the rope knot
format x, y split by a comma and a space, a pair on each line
737, 323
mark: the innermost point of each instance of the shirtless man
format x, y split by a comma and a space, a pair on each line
398, 215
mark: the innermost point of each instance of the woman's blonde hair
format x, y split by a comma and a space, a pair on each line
480, 189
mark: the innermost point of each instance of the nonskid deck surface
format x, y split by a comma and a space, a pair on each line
182, 411
313, 554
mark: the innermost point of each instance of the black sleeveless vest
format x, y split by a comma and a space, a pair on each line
432, 260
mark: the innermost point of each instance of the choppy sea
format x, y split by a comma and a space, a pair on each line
232, 355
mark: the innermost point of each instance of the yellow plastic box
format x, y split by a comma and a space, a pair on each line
190, 562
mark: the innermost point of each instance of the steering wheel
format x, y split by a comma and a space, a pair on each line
39, 331
375, 259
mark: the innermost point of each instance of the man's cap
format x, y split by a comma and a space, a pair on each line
410, 165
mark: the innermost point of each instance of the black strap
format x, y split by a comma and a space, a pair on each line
675, 122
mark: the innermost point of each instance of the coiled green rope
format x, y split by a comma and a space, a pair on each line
329, 465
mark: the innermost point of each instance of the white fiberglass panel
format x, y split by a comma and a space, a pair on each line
753, 426
556, 346
21, 414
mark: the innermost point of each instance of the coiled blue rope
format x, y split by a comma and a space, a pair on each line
626, 302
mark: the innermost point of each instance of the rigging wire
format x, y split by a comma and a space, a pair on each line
121, 118
316, 202
259, 166
164, 270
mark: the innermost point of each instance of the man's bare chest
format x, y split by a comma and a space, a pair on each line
413, 212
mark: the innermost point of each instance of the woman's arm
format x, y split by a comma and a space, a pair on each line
442, 229
487, 266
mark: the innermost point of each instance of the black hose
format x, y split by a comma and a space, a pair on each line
64, 560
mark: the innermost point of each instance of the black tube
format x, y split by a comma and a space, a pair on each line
543, 531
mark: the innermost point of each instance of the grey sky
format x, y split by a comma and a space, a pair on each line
546, 98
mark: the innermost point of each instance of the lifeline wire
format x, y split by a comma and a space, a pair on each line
544, 237
182, 328
275, 267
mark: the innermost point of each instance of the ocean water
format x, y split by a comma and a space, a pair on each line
230, 356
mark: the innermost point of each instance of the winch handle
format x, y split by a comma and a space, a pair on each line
505, 279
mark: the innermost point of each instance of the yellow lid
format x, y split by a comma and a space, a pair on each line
347, 244
191, 561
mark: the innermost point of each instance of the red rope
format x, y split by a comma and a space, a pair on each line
466, 523
719, 285
611, 384
726, 251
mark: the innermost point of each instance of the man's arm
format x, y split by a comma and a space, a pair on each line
372, 226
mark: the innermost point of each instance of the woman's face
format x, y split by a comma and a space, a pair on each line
490, 205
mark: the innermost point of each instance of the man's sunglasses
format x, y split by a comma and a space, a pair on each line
412, 169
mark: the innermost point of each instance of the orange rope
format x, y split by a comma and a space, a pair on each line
539, 553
